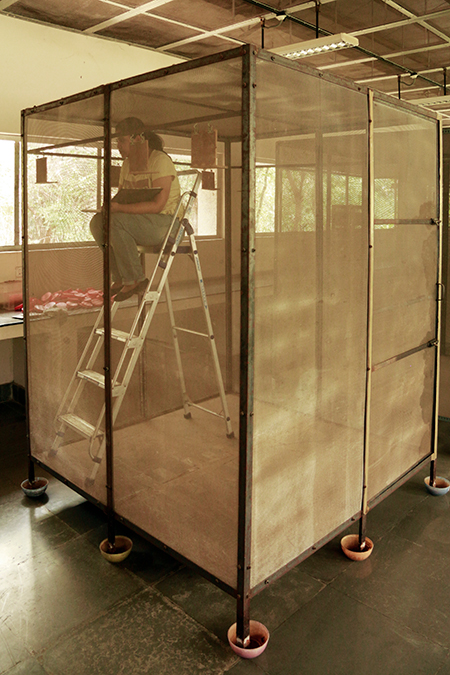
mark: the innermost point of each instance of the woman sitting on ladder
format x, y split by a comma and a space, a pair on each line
141, 223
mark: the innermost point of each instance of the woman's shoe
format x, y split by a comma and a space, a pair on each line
124, 295
116, 287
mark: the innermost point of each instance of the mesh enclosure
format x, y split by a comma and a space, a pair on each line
309, 316
404, 311
177, 345
64, 286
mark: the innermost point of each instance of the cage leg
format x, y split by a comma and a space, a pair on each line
362, 532
247, 638
436, 485
432, 473
32, 486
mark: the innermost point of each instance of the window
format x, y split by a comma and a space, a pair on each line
9, 191
61, 207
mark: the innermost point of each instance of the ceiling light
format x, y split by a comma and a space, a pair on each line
319, 46
431, 101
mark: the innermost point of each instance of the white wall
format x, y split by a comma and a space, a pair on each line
39, 64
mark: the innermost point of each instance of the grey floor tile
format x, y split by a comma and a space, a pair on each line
247, 667
60, 496
29, 529
8, 491
400, 580
145, 634
199, 598
336, 635
216, 610
81, 517
12, 650
281, 599
445, 668
28, 667
49, 594
328, 562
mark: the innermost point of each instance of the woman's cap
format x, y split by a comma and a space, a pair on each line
130, 126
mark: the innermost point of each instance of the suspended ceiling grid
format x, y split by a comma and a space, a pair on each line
403, 46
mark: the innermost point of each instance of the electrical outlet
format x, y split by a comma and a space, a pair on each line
18, 272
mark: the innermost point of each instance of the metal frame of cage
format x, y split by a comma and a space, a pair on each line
249, 55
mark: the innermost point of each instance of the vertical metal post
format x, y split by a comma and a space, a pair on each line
440, 205
246, 345
319, 263
107, 316
445, 225
399, 86
369, 338
26, 324
228, 234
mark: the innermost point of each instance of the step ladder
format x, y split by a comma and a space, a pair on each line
134, 340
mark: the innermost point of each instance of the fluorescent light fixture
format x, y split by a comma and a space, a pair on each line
430, 101
322, 45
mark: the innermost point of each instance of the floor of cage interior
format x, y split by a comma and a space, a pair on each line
175, 478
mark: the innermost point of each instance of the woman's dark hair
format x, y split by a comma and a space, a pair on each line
155, 142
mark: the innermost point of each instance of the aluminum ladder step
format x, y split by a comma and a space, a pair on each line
120, 336
99, 380
74, 422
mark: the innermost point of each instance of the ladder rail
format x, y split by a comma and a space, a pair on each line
210, 328
176, 344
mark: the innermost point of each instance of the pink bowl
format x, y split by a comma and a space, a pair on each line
259, 637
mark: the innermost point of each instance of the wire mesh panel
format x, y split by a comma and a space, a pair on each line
64, 287
175, 463
405, 275
310, 312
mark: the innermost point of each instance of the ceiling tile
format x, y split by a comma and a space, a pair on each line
78, 15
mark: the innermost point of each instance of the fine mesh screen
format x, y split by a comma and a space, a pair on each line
310, 314
177, 478
64, 283
405, 264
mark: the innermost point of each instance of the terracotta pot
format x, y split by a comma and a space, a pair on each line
120, 551
441, 488
259, 637
350, 546
34, 489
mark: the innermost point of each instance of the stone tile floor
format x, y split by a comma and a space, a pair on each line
64, 610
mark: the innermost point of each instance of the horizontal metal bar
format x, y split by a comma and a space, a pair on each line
404, 221
193, 332
64, 154
404, 355
67, 144
206, 410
